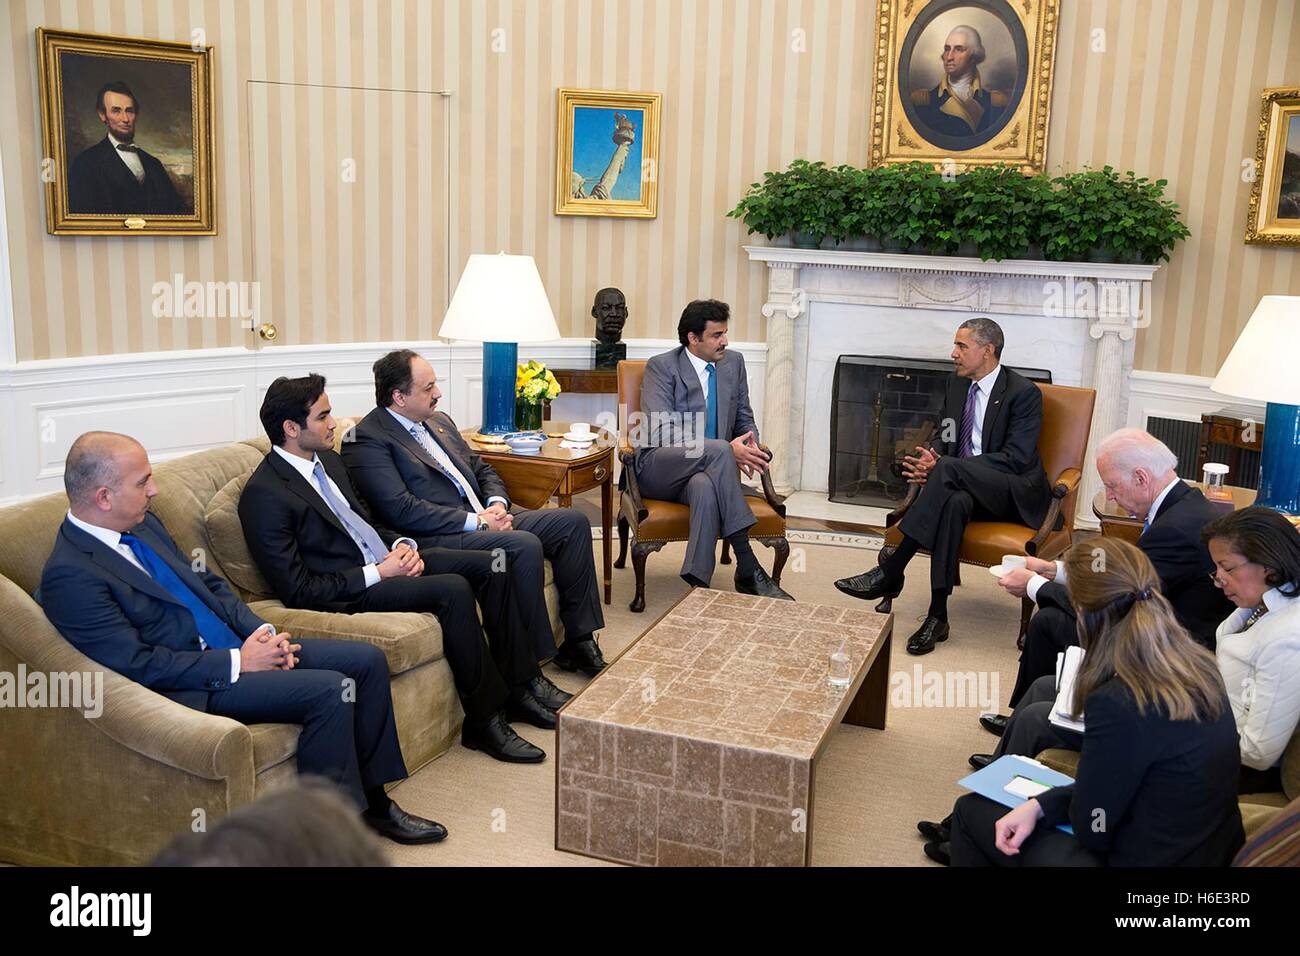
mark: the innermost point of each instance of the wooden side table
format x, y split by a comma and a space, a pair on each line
556, 472
1117, 523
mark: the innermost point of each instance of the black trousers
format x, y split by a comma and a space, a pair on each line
957, 491
972, 844
339, 692
484, 670
1030, 730
561, 535
1051, 631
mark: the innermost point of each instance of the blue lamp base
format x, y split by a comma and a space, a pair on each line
500, 363
1279, 469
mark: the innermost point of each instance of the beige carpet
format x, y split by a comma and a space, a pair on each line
871, 787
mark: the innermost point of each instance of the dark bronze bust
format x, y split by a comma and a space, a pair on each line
609, 309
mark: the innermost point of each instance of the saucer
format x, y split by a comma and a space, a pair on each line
998, 570
586, 438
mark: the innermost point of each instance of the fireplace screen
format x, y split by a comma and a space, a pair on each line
881, 408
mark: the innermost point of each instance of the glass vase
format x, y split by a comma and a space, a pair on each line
528, 416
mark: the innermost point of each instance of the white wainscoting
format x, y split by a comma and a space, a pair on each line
180, 402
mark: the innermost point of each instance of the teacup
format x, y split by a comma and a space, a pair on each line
580, 428
1010, 561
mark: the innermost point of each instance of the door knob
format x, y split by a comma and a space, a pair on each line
268, 331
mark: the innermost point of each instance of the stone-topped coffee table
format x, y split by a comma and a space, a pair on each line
698, 744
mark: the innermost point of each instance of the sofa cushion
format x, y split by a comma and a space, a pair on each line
27, 533
226, 539
406, 638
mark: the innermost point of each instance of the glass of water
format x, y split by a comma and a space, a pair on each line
841, 670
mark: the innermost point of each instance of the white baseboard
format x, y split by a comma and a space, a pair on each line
181, 402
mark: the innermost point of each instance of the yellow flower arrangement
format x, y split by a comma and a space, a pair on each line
534, 382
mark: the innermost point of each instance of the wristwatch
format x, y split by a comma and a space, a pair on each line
482, 523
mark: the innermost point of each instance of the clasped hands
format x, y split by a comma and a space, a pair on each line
916, 468
498, 517
751, 459
265, 651
402, 562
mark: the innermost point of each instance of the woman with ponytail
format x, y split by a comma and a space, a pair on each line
1156, 783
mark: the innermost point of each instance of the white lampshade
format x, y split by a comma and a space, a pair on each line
500, 299
1262, 365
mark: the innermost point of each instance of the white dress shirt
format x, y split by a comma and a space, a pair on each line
129, 157
114, 541
434, 449
985, 386
1037, 581
307, 468
702, 372
1261, 670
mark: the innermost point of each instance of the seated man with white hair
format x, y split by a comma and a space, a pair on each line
1137, 471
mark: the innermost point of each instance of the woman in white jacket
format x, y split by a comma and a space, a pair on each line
1256, 553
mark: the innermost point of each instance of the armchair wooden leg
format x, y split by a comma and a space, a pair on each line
782, 548
726, 552
1026, 611
640, 551
622, 543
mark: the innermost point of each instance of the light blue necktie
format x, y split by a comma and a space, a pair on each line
419, 433
358, 528
1145, 525
711, 402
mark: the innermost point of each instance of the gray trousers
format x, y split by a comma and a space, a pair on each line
706, 480
1029, 731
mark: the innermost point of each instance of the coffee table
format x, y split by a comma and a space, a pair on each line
698, 745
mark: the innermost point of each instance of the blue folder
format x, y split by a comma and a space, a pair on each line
991, 781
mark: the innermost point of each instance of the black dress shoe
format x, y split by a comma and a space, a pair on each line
760, 584
927, 635
496, 739
939, 852
996, 724
523, 706
403, 827
869, 585
979, 761
582, 656
936, 832
546, 692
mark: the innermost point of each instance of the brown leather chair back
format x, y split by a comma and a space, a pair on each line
1067, 420
630, 374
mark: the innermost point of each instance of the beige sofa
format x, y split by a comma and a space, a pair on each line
115, 788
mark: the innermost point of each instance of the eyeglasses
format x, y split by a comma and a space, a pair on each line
1214, 575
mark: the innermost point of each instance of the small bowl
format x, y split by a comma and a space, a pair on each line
525, 443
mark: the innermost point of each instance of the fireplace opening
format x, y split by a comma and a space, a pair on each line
881, 409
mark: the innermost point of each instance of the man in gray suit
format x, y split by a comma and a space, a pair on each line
698, 434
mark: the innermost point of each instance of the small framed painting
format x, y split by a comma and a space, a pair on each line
1274, 213
127, 126
607, 154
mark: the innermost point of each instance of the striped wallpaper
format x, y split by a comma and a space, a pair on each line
1174, 93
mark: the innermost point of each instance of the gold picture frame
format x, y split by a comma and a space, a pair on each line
1274, 213
925, 110
108, 97
595, 178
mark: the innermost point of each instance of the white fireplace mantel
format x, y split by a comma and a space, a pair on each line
1077, 318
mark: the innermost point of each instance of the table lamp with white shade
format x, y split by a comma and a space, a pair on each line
1262, 366
500, 302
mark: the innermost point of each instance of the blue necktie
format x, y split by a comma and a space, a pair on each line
1145, 525
214, 631
711, 402
966, 437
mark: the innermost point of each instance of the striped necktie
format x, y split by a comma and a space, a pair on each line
965, 438
421, 435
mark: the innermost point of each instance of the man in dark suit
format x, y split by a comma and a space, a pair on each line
1138, 472
117, 587
700, 435
984, 466
115, 175
421, 479
313, 539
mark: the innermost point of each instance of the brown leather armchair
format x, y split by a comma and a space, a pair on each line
1062, 445
655, 523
